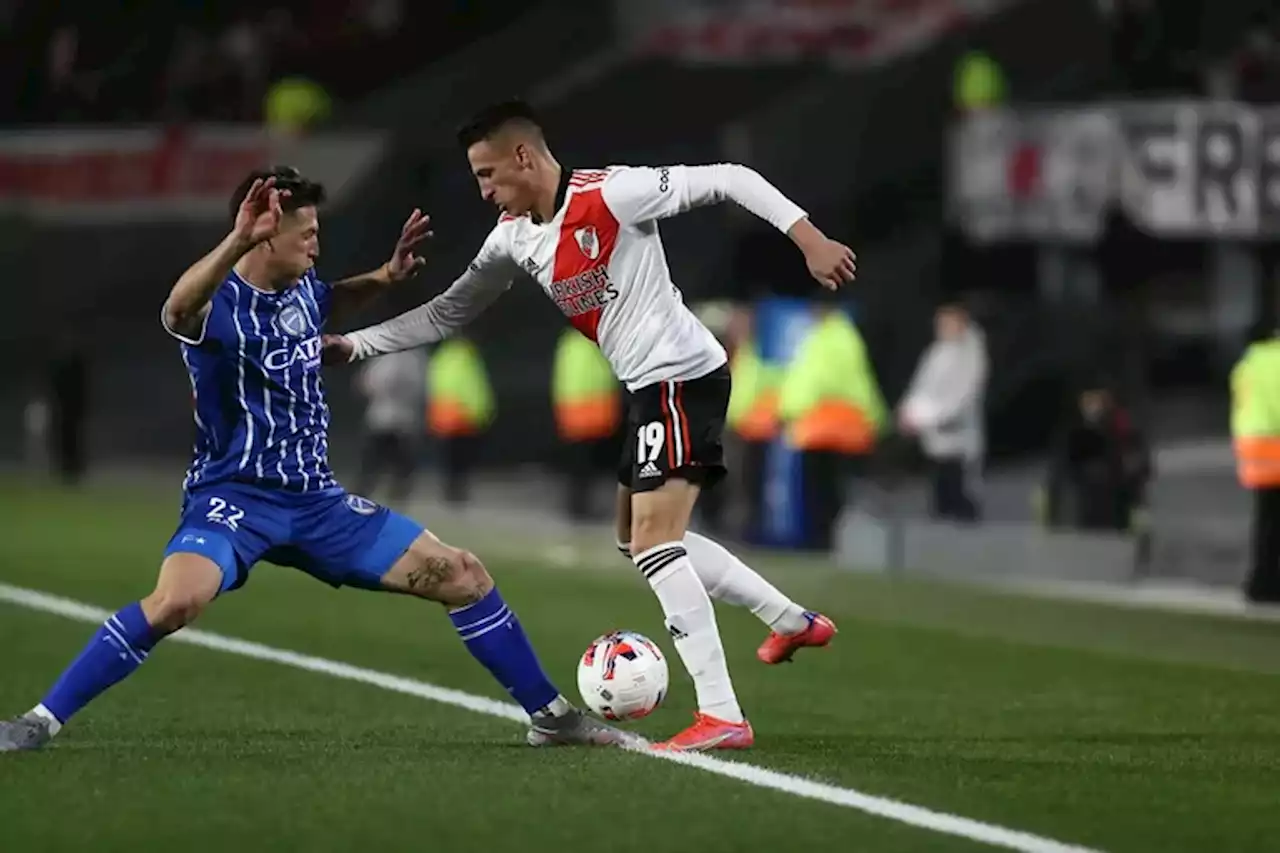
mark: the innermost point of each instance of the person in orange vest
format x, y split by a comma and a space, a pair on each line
459, 409
588, 411
832, 411
1255, 432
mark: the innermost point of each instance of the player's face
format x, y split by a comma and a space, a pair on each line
295, 249
504, 172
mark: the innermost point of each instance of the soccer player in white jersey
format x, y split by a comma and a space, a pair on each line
590, 238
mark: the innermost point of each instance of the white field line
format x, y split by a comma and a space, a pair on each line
761, 777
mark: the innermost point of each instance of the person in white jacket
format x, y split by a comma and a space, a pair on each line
944, 409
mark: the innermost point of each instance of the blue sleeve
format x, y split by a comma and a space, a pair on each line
217, 321
323, 295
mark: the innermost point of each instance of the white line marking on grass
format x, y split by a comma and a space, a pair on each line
761, 777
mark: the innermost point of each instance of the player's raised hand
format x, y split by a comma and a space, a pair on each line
405, 262
831, 263
258, 218
336, 349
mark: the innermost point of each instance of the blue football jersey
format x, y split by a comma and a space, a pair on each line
260, 409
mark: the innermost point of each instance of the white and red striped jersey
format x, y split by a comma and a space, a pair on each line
601, 260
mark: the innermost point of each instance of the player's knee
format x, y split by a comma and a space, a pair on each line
187, 583
479, 582
170, 609
448, 575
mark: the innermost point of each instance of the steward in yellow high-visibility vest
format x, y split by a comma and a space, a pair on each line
584, 391
753, 399
295, 104
1255, 431
459, 397
830, 400
832, 412
979, 82
459, 408
1255, 415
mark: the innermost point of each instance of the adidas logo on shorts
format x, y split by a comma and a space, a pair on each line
650, 470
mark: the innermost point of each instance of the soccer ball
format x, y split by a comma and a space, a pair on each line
623, 676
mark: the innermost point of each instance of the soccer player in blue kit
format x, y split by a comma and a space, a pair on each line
249, 316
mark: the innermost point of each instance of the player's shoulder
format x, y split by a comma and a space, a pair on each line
588, 179
506, 226
624, 181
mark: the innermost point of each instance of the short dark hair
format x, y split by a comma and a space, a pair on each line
302, 191
493, 118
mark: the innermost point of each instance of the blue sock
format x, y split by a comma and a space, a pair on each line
492, 633
116, 650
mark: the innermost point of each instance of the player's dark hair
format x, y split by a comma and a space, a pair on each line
495, 117
302, 192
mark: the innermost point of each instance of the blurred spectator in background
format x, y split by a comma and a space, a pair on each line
1258, 63
1255, 428
394, 390
1150, 46
833, 412
752, 416
1099, 466
944, 409
295, 104
460, 408
587, 403
979, 83
69, 393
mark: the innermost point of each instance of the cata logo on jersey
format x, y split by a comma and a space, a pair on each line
306, 353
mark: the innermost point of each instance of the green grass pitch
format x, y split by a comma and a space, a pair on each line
1113, 729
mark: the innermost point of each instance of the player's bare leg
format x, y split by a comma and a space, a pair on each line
728, 579
186, 585
659, 519
456, 578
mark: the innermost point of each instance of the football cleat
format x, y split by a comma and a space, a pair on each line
708, 732
778, 648
24, 733
578, 729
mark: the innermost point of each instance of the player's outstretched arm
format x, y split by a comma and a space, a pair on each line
258, 219
640, 194
485, 279
352, 294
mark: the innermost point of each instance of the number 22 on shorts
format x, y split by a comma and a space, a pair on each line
226, 514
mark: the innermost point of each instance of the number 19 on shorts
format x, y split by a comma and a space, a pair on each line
650, 439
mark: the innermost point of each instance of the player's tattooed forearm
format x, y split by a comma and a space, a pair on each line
430, 574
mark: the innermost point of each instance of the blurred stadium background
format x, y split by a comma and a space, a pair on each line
1099, 181
1109, 206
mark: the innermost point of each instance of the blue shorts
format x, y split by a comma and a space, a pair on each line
337, 537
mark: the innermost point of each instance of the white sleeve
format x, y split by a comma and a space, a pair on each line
486, 278
637, 194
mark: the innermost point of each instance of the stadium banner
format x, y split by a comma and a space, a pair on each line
1178, 169
88, 176
753, 32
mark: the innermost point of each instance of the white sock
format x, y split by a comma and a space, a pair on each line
728, 579
691, 621
732, 581
45, 714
